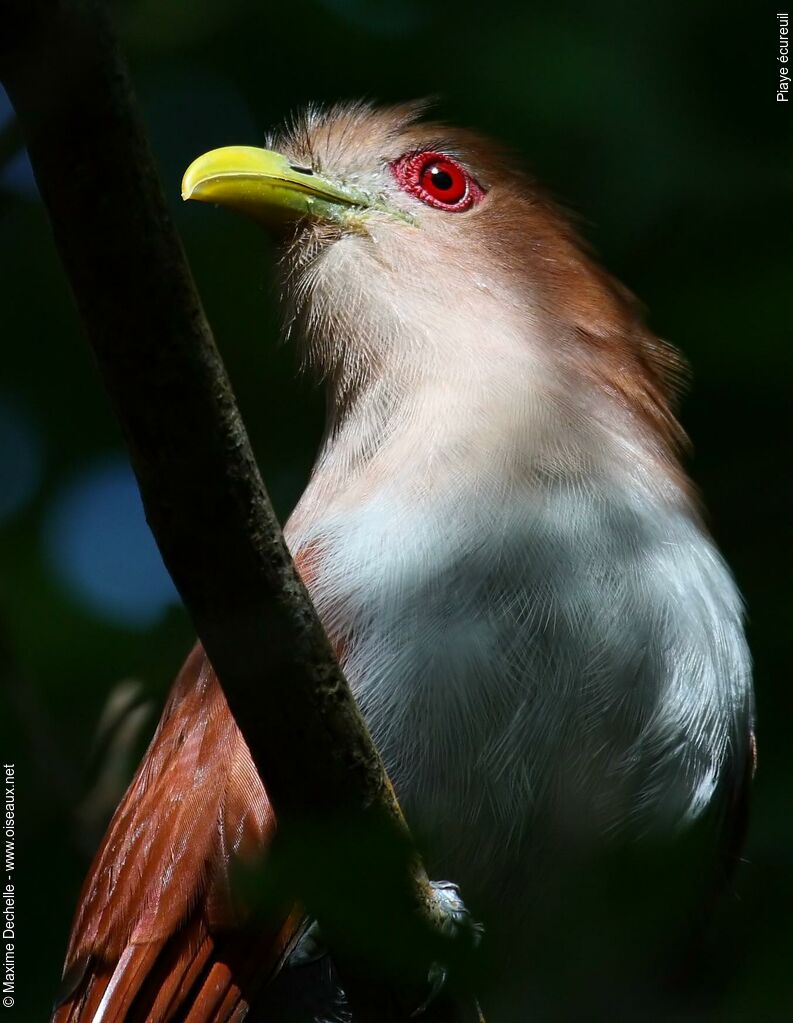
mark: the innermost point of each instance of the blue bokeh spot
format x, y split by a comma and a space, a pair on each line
100, 547
16, 175
21, 458
6, 110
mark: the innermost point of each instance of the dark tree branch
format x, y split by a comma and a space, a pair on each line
204, 497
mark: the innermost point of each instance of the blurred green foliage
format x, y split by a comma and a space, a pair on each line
656, 122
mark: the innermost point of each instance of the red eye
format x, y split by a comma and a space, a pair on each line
437, 180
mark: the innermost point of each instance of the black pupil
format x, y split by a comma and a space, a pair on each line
441, 179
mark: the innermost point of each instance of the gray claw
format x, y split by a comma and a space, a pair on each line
456, 915
456, 921
309, 948
437, 980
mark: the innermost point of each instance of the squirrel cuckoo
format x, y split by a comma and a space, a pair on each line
501, 543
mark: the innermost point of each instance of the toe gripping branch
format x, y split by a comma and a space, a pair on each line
456, 923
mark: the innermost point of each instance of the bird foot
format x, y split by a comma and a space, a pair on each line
457, 923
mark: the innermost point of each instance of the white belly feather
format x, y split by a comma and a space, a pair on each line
566, 662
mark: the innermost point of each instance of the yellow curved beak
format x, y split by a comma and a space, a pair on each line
264, 185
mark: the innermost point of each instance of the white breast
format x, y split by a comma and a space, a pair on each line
567, 656
541, 638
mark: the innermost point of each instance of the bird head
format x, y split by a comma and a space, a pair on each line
418, 261
350, 168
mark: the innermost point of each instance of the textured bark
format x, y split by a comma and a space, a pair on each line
204, 498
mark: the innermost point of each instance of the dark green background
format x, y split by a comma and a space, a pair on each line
656, 122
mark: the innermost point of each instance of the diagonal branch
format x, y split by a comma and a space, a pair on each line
204, 498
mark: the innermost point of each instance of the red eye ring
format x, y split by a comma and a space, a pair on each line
438, 180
